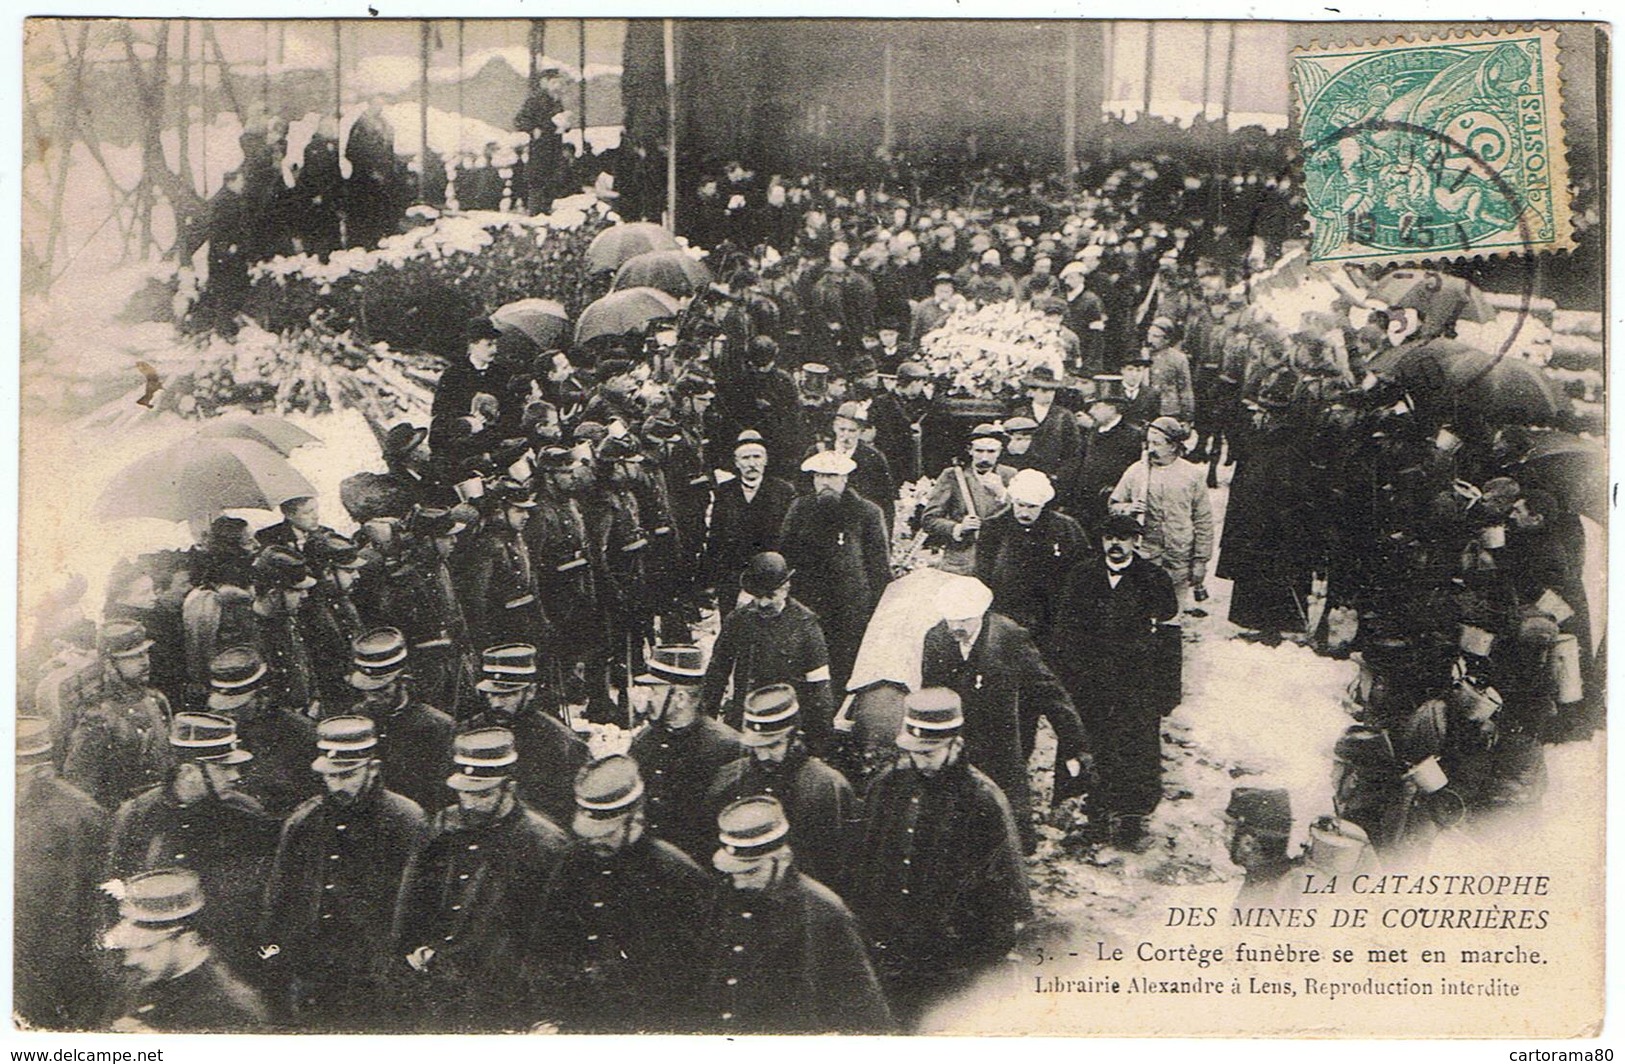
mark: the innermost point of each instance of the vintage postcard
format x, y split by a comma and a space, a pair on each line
795, 526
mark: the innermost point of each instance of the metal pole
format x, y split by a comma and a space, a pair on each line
423, 111
671, 125
1229, 72
1207, 62
581, 55
1069, 106
888, 132
1150, 64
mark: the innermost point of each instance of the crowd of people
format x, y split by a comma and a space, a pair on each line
342, 782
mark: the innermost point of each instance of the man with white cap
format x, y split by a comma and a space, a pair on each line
938, 882
61, 845
782, 954
679, 749
615, 941
747, 516
964, 498
1004, 686
1024, 552
330, 901
818, 799
840, 536
183, 986
199, 820
1169, 497
469, 895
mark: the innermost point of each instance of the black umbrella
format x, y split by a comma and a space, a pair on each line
1447, 376
1573, 468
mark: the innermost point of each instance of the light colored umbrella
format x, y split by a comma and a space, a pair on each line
626, 311
273, 432
543, 321
673, 272
1441, 299
621, 242
202, 476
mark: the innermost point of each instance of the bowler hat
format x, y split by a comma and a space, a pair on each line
861, 366
750, 438
765, 573
620, 449
931, 716
331, 550
1122, 526
379, 657
661, 430
750, 829
1041, 377
234, 675
345, 743
481, 759
555, 459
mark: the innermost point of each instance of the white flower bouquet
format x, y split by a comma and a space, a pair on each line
985, 353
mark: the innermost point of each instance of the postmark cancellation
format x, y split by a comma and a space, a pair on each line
1434, 148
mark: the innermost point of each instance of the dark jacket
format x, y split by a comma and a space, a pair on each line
754, 650
1024, 566
939, 881
330, 901
1003, 678
677, 769
839, 546
228, 841
1105, 643
120, 743
740, 531
616, 940
60, 847
498, 589
566, 579
414, 743
471, 894
1084, 486
454, 397
817, 800
787, 960
1057, 441
282, 639
283, 744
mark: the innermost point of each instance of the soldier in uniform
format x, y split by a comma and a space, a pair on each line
499, 583
331, 897
61, 843
782, 954
684, 484
841, 537
331, 615
199, 820
566, 578
239, 688
468, 897
413, 737
423, 601
1004, 686
119, 746
679, 749
621, 543
939, 883
550, 754
746, 520
282, 582
817, 798
184, 986
616, 937
773, 639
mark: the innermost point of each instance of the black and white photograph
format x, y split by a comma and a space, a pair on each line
811, 526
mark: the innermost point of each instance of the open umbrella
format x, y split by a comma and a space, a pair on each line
1572, 468
626, 311
543, 321
621, 242
672, 272
202, 476
1447, 375
273, 432
1441, 299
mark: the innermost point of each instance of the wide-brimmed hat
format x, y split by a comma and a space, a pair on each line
403, 439
750, 830
931, 717
235, 674
481, 758
1041, 377
345, 743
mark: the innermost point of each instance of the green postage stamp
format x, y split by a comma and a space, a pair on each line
1434, 148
